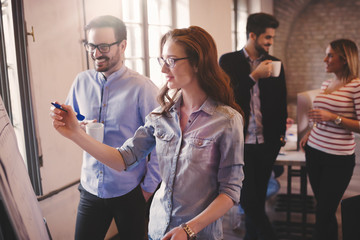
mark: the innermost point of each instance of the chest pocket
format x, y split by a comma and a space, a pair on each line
200, 143
201, 149
163, 140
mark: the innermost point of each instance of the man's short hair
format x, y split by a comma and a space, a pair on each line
259, 22
109, 21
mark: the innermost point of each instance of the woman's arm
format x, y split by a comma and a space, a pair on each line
67, 125
318, 115
215, 210
304, 139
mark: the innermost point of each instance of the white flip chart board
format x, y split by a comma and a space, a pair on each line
16, 191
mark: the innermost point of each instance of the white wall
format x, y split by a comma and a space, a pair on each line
260, 6
55, 58
215, 17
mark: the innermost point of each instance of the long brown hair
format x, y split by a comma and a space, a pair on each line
200, 47
348, 51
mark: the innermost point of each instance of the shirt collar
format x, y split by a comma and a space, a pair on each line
260, 58
208, 106
115, 75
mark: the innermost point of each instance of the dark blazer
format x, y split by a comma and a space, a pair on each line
272, 94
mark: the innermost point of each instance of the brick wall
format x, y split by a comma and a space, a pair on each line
306, 28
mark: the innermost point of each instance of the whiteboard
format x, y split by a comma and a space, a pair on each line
16, 190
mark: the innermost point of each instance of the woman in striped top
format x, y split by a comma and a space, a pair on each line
330, 145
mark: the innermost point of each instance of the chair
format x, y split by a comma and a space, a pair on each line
350, 217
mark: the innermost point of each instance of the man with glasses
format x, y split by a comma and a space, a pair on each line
120, 98
263, 100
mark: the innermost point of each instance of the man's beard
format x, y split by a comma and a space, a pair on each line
260, 49
105, 66
110, 62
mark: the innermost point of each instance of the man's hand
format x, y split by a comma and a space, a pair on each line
263, 70
146, 195
65, 121
85, 122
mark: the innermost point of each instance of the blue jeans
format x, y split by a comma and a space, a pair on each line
273, 186
95, 214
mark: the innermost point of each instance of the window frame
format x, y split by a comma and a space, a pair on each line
238, 10
145, 26
20, 37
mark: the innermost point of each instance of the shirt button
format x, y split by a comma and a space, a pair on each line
104, 105
101, 172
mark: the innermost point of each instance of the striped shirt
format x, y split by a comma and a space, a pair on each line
327, 136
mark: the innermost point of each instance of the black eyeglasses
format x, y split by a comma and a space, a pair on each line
102, 47
169, 62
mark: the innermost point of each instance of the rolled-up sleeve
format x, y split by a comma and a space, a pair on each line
138, 147
230, 174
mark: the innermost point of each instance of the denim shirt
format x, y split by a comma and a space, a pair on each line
196, 165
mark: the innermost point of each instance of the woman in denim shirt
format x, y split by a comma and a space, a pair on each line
198, 135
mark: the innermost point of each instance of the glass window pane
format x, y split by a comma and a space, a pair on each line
135, 43
159, 12
241, 15
132, 11
155, 73
241, 28
136, 65
155, 35
17, 120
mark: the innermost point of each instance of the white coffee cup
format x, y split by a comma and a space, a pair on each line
96, 130
276, 67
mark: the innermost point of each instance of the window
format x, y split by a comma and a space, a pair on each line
145, 29
13, 82
15, 86
239, 17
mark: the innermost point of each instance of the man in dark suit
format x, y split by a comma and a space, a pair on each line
263, 100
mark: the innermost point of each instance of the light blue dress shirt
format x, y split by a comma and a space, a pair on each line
121, 102
196, 165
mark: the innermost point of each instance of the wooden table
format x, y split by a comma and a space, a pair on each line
294, 202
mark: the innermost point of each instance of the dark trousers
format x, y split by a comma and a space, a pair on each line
95, 215
329, 176
259, 160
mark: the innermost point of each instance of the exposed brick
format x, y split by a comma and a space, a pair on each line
306, 28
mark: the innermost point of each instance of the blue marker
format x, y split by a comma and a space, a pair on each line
78, 115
